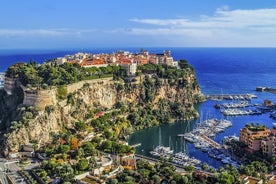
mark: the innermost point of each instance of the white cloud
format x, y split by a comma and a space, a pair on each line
60, 32
222, 18
224, 28
238, 27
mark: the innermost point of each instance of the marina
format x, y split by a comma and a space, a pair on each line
239, 112
241, 108
240, 104
200, 137
219, 97
180, 158
218, 78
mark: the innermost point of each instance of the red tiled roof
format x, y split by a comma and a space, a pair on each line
87, 62
125, 61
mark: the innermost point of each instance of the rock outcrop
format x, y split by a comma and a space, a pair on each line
86, 96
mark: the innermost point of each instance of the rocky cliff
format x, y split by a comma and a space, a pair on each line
85, 96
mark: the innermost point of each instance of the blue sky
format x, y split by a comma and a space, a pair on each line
49, 24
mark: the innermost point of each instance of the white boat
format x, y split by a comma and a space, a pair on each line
162, 151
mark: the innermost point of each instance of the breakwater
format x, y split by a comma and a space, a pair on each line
266, 89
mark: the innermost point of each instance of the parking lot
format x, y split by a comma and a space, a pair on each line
12, 168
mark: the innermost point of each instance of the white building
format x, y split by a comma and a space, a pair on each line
130, 68
61, 60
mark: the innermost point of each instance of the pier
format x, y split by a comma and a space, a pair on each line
219, 97
211, 142
266, 89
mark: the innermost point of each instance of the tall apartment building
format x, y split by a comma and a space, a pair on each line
268, 145
252, 136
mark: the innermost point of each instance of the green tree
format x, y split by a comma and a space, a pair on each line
226, 178
61, 93
64, 148
144, 173
205, 166
80, 126
189, 168
82, 165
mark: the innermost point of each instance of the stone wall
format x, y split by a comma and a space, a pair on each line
43, 98
39, 98
9, 85
76, 86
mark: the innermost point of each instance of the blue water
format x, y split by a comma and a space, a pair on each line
218, 70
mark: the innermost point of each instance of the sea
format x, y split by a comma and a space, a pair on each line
218, 70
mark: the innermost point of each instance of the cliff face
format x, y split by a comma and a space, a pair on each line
88, 95
39, 130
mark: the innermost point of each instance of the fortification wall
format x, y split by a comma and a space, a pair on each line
76, 86
39, 98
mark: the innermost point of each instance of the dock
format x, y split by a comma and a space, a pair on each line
266, 89
219, 97
211, 142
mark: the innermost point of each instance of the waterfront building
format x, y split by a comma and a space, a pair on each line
259, 138
252, 135
268, 103
268, 145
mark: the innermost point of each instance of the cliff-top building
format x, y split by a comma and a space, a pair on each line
141, 58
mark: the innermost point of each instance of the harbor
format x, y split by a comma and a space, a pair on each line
221, 83
219, 97
212, 151
200, 137
245, 108
178, 158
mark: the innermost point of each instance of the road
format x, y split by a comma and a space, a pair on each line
12, 169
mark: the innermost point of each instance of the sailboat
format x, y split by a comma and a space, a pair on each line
161, 150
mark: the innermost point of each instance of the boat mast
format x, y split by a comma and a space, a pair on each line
159, 136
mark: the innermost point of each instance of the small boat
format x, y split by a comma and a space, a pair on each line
217, 106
